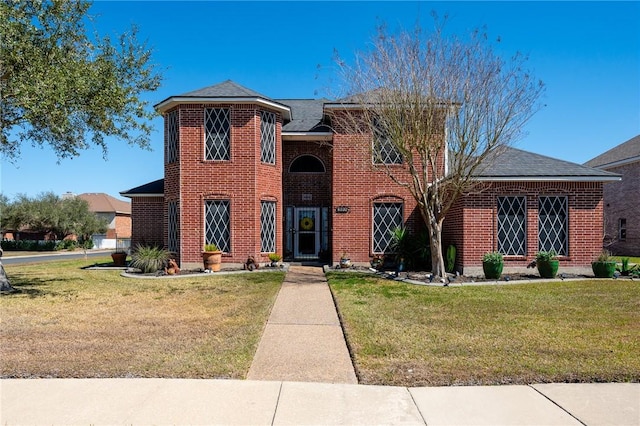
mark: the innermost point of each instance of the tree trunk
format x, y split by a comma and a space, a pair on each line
435, 241
5, 285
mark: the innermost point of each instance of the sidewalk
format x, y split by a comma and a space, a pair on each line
302, 375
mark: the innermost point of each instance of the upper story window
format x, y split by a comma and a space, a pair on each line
217, 124
552, 225
173, 136
306, 164
384, 150
267, 137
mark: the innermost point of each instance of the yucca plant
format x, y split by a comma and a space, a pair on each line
149, 258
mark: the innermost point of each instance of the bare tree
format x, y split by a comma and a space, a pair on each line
444, 104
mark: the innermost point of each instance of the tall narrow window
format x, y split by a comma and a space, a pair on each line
217, 224
386, 218
512, 226
173, 136
622, 229
217, 123
172, 231
267, 226
267, 137
384, 150
553, 224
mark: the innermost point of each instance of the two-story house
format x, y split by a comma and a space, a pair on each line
256, 175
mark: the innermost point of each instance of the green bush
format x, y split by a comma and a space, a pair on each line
451, 258
27, 245
66, 245
149, 258
492, 257
546, 256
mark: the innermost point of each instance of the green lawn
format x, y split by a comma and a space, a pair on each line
70, 322
574, 331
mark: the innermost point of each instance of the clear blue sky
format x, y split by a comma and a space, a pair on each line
587, 54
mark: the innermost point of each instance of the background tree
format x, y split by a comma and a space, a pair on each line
444, 104
49, 214
62, 87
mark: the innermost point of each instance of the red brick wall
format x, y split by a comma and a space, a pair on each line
243, 180
621, 200
147, 215
318, 185
479, 221
123, 225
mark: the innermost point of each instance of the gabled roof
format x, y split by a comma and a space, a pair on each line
626, 152
512, 164
104, 203
307, 116
151, 189
225, 92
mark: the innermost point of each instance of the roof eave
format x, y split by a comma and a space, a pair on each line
548, 178
618, 163
307, 136
142, 195
169, 103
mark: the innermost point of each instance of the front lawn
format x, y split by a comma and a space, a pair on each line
70, 322
410, 335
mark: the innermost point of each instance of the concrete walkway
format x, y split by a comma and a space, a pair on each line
303, 339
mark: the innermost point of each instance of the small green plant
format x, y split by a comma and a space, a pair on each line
605, 256
546, 256
210, 247
149, 258
627, 270
274, 257
451, 258
493, 257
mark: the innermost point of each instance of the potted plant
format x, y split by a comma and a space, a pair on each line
119, 256
492, 264
211, 258
274, 258
547, 263
604, 266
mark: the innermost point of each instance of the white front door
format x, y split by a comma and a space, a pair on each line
306, 241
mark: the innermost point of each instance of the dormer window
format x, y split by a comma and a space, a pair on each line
267, 137
217, 124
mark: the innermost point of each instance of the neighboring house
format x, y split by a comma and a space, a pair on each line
117, 214
622, 199
256, 175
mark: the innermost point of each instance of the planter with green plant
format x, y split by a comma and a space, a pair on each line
547, 263
492, 265
149, 259
274, 258
212, 258
626, 269
604, 266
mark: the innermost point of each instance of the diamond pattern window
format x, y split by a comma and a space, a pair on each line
512, 226
217, 224
173, 135
552, 225
172, 239
217, 124
267, 226
384, 151
267, 137
386, 218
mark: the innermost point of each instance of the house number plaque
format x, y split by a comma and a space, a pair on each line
342, 209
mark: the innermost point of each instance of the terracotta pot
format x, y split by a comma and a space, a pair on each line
212, 260
119, 259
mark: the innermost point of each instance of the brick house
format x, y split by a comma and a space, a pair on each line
622, 199
256, 175
116, 213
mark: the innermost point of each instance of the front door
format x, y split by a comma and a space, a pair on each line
306, 241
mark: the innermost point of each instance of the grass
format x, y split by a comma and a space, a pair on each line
409, 335
70, 322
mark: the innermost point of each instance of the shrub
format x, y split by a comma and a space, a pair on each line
546, 256
149, 258
210, 247
492, 257
274, 257
605, 256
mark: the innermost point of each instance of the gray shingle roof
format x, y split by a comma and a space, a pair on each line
516, 164
625, 152
155, 188
306, 115
226, 89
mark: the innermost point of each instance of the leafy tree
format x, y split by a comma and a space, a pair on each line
62, 87
445, 104
48, 213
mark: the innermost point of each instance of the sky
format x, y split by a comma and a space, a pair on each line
586, 53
